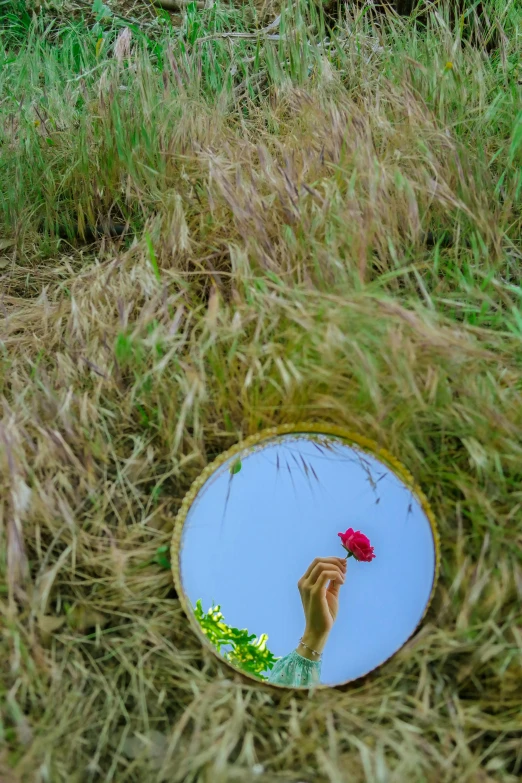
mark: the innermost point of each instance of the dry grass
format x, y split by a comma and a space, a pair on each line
275, 268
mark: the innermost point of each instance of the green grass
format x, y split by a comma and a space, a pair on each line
287, 205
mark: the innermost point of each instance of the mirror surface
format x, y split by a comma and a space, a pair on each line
256, 526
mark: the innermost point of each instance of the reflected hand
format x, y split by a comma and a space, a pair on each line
320, 599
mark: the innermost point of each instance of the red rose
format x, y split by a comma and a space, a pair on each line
357, 544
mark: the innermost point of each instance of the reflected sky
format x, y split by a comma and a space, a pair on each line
248, 539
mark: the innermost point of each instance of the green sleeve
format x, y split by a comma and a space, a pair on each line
296, 671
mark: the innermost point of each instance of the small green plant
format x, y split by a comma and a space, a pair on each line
247, 652
162, 557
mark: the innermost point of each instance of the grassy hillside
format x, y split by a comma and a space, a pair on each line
203, 234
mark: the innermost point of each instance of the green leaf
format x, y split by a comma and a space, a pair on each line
152, 255
101, 11
123, 348
162, 557
235, 467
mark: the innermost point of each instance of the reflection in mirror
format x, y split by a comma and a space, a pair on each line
306, 560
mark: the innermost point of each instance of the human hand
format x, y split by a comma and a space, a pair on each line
321, 602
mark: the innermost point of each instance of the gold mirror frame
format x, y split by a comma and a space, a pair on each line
366, 444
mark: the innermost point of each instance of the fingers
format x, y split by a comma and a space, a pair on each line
333, 560
324, 577
333, 588
339, 570
334, 571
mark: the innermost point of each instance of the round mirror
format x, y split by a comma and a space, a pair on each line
305, 556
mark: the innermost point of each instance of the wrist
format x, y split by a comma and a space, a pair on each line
314, 640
